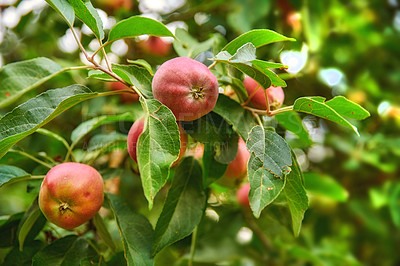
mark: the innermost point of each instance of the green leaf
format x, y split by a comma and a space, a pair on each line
64, 9
187, 46
291, 121
85, 11
137, 25
324, 185
394, 205
100, 75
69, 250
8, 236
237, 86
33, 114
268, 164
17, 257
347, 108
158, 147
136, 75
183, 207
245, 60
31, 224
241, 120
104, 141
136, 232
103, 231
83, 129
264, 66
296, 195
258, 38
18, 78
318, 107
212, 169
10, 174
142, 63
214, 130
53, 135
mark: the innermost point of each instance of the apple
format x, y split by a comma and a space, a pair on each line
242, 195
137, 129
116, 4
256, 93
156, 46
187, 87
237, 168
126, 97
71, 194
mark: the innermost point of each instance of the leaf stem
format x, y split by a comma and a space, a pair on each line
27, 155
270, 113
212, 65
281, 110
193, 246
100, 49
33, 177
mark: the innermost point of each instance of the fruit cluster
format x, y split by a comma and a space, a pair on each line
72, 193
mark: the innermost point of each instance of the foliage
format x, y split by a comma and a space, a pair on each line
313, 152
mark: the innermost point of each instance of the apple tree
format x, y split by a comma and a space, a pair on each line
205, 126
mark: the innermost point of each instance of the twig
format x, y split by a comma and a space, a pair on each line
254, 227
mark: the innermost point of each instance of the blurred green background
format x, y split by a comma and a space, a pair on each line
349, 48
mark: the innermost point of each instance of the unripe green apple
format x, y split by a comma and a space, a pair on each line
256, 93
126, 97
242, 195
187, 87
137, 129
71, 194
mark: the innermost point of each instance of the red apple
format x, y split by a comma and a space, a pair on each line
71, 194
242, 195
187, 87
256, 93
116, 4
238, 167
156, 46
126, 97
137, 129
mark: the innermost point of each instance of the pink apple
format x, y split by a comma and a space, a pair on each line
255, 91
71, 194
187, 87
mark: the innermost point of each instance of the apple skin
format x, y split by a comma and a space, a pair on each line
242, 195
126, 97
116, 4
71, 194
187, 87
156, 46
275, 95
237, 168
137, 129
